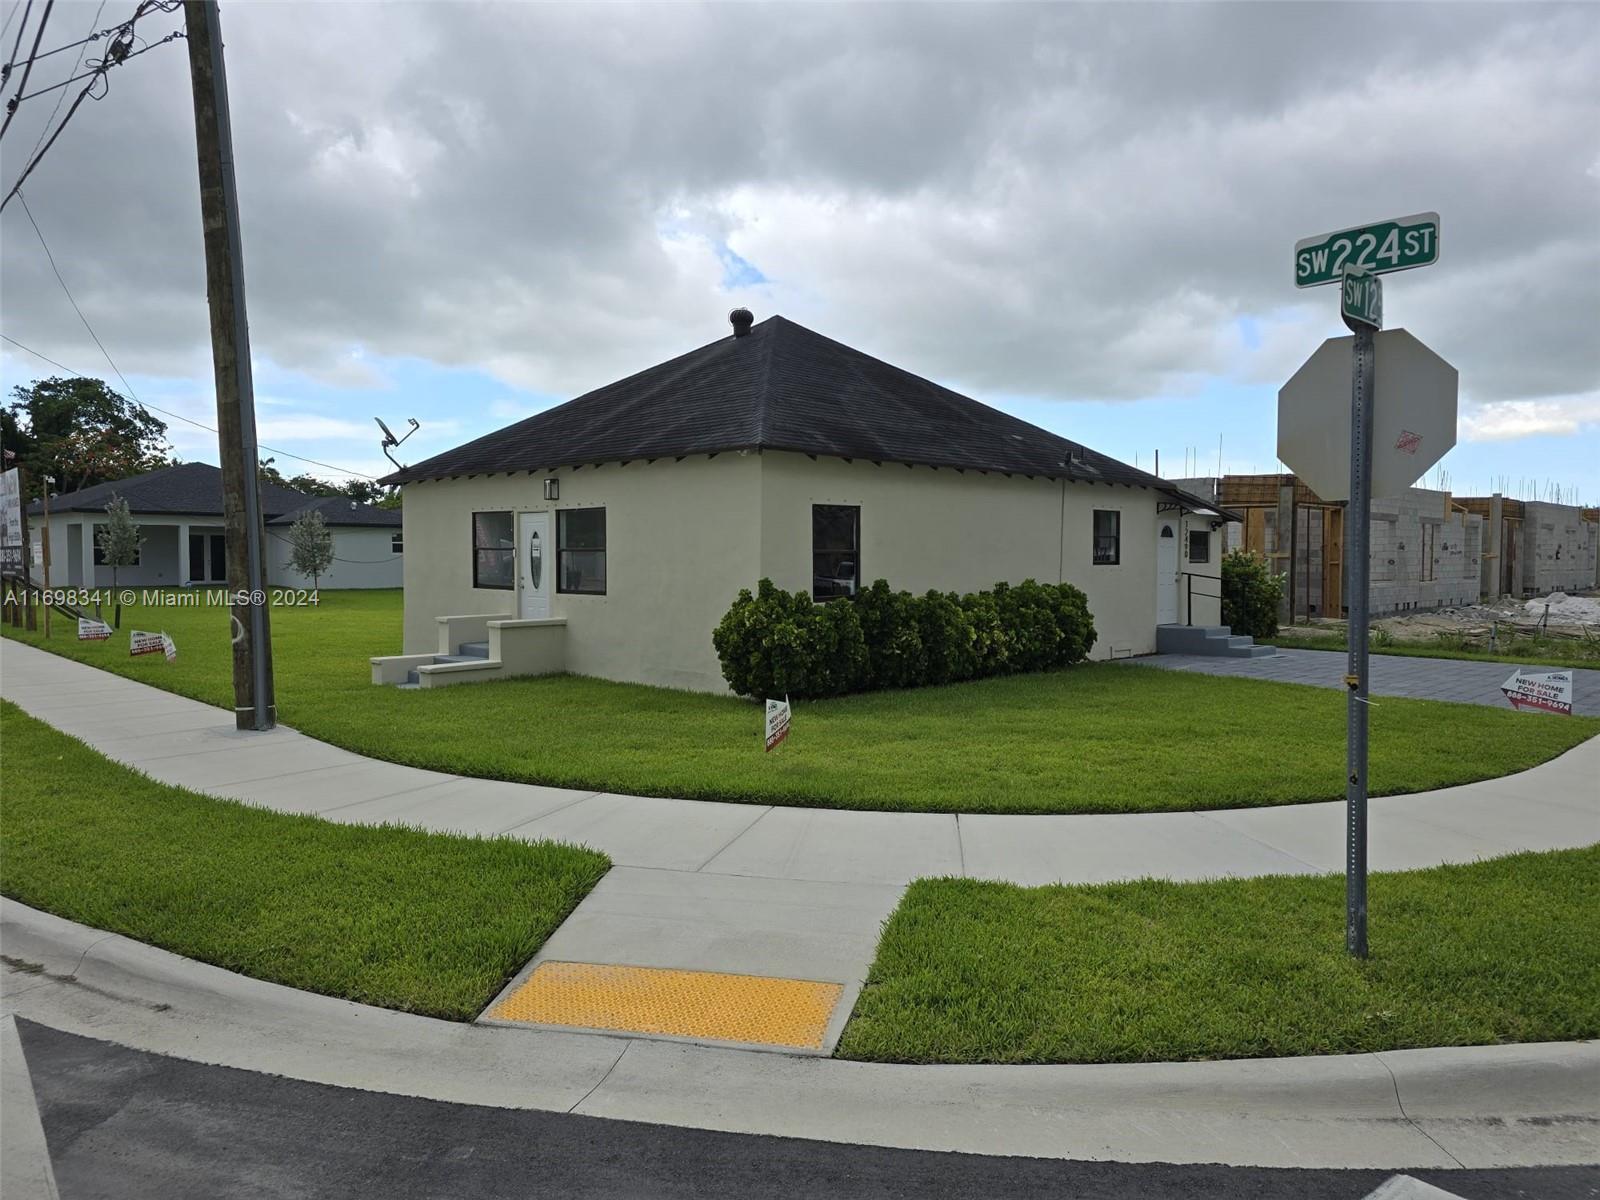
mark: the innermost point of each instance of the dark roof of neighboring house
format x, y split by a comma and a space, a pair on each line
341, 510
196, 489
780, 387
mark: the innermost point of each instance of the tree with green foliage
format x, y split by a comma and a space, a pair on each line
311, 546
119, 539
82, 433
1250, 594
362, 491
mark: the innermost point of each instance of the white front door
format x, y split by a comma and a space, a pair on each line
536, 565
1166, 572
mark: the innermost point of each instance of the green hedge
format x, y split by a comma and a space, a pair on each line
1250, 594
777, 643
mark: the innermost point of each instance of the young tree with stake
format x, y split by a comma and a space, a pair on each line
118, 541
311, 546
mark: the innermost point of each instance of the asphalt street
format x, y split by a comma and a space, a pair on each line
127, 1124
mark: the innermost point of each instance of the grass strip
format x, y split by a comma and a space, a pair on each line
1506, 950
1101, 737
423, 922
1544, 653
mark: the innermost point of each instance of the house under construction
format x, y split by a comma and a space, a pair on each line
1429, 549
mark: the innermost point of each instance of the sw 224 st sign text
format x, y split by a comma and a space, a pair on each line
1376, 249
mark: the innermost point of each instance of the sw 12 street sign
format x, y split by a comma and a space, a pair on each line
1377, 249
1361, 300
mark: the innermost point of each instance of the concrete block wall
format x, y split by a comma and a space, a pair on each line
1420, 524
1558, 548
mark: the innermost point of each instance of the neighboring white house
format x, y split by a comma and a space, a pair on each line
179, 514
609, 535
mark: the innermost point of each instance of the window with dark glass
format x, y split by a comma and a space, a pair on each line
835, 550
1199, 546
494, 550
1107, 537
581, 551
397, 544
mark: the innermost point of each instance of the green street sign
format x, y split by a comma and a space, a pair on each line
1361, 300
1377, 249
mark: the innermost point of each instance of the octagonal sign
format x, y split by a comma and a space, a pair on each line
1414, 415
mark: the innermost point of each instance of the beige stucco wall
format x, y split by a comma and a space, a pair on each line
1206, 589
961, 531
681, 540
684, 537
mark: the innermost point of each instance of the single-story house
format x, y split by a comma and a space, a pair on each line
609, 535
179, 514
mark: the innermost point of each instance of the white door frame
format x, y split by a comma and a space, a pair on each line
533, 595
1167, 578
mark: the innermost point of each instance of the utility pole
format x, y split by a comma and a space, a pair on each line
253, 703
44, 600
27, 552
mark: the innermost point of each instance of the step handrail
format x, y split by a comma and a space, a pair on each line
1188, 602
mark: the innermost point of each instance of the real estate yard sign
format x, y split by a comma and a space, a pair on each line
90, 630
1547, 691
11, 521
777, 722
146, 643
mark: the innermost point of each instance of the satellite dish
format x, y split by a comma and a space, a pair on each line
389, 439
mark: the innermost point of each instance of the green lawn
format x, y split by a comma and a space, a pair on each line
969, 972
396, 917
1096, 738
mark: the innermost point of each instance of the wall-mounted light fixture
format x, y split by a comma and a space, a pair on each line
552, 489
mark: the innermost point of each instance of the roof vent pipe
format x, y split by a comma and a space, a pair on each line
741, 319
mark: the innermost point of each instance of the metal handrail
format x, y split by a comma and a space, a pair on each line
1188, 599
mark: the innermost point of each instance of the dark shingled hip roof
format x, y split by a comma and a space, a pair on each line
195, 489
341, 510
780, 387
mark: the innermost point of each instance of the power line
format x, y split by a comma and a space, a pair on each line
27, 69
116, 54
5, 71
50, 120
180, 417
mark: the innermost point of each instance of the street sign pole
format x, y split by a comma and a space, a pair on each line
1418, 427
1363, 379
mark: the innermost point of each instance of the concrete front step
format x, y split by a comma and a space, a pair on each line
474, 650
1213, 640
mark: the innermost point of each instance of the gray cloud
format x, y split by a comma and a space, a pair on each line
1064, 201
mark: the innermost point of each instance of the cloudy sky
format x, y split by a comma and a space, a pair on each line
1080, 213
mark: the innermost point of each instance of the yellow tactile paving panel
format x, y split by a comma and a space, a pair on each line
695, 1004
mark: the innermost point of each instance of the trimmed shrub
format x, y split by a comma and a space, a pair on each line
1250, 594
776, 643
895, 655
949, 643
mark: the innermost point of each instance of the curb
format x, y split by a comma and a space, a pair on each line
1486, 1106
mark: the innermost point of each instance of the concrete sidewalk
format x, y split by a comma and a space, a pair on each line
792, 893
1487, 1106
1454, 680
